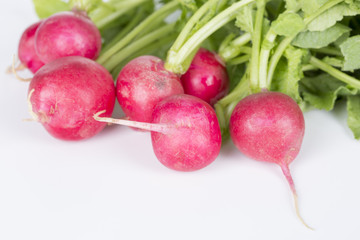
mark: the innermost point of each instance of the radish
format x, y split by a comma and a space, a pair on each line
269, 126
67, 34
206, 77
65, 93
26, 49
142, 83
185, 132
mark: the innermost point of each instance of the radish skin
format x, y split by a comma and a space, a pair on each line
65, 93
26, 49
185, 132
67, 34
206, 77
142, 83
269, 126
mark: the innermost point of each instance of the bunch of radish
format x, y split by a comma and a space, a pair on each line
68, 85
183, 101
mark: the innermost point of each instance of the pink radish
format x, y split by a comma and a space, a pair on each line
269, 126
67, 34
26, 49
185, 132
141, 84
206, 77
65, 93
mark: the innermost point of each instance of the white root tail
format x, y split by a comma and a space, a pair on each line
286, 171
13, 69
20, 67
32, 113
296, 203
161, 128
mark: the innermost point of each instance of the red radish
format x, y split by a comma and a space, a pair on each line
206, 77
185, 132
26, 49
142, 83
269, 126
65, 93
67, 34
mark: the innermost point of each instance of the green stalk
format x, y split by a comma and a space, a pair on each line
256, 40
285, 43
241, 40
221, 118
124, 8
136, 19
266, 46
239, 60
135, 46
239, 92
308, 67
175, 60
329, 51
148, 49
226, 105
190, 25
351, 81
150, 21
234, 48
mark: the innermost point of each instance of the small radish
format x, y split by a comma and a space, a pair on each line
65, 93
185, 132
142, 83
269, 126
67, 34
206, 77
26, 49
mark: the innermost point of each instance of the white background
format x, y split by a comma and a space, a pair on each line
112, 186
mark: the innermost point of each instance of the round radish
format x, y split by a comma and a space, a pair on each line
142, 83
26, 49
65, 93
194, 140
206, 77
269, 126
67, 34
185, 132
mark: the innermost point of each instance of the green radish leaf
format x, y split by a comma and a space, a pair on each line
46, 8
288, 24
320, 39
342, 39
322, 91
189, 4
335, 62
331, 16
288, 73
311, 6
350, 49
292, 5
354, 4
245, 19
86, 5
353, 121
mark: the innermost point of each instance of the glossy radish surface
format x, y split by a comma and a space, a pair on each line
185, 132
65, 93
142, 83
206, 77
26, 49
269, 126
67, 34
194, 140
